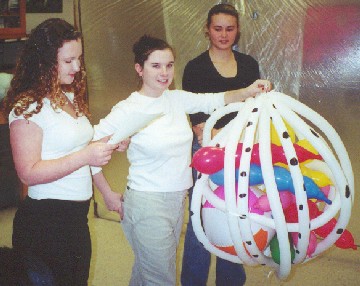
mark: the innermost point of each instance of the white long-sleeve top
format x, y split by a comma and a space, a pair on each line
159, 154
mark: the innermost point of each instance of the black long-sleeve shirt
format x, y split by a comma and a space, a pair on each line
200, 76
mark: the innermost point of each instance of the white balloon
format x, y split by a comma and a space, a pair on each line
253, 125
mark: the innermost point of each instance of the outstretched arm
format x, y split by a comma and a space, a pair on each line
252, 90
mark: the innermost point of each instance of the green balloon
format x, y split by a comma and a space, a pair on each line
275, 250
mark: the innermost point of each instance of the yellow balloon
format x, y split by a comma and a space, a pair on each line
319, 178
275, 137
306, 144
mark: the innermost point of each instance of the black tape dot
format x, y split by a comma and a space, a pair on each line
242, 196
347, 192
255, 255
243, 174
274, 106
248, 243
249, 124
217, 145
314, 133
299, 235
285, 135
255, 109
191, 213
248, 149
294, 162
297, 251
301, 207
340, 231
199, 176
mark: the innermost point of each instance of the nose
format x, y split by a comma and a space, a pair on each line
164, 70
76, 65
223, 33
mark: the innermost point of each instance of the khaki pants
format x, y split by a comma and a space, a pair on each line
152, 224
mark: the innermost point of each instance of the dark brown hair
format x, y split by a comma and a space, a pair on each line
226, 9
146, 45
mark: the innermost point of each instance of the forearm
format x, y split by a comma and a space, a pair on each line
101, 183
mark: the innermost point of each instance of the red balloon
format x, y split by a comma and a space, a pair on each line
291, 212
346, 240
323, 231
209, 160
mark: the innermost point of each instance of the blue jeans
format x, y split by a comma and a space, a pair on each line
196, 259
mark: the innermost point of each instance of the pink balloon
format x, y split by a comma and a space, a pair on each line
252, 199
263, 204
286, 198
312, 242
208, 160
326, 190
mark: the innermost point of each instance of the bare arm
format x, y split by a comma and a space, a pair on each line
112, 199
26, 141
252, 90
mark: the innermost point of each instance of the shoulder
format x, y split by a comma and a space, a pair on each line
240, 57
199, 60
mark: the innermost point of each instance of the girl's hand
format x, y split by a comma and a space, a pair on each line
123, 145
99, 152
114, 202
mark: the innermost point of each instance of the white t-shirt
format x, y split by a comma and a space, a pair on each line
159, 154
62, 135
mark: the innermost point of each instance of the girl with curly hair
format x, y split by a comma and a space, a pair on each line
50, 135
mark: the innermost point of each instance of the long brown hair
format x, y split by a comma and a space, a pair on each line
36, 74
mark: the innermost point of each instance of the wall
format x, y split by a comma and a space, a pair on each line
34, 19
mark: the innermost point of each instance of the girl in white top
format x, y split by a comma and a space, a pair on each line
159, 156
50, 135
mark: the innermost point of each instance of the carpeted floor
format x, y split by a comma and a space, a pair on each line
112, 259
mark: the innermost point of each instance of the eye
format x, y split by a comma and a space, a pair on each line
170, 65
156, 66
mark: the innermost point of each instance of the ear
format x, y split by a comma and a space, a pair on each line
138, 69
206, 31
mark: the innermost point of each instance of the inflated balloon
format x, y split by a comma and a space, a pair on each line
286, 199
346, 240
312, 242
275, 250
283, 181
208, 160
249, 137
274, 135
217, 229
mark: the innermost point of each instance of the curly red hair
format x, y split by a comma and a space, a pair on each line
36, 74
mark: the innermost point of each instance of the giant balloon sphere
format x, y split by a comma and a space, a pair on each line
303, 176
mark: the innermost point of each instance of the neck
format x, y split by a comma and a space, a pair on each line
150, 93
217, 55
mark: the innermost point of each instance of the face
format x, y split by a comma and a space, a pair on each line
222, 31
69, 61
157, 73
